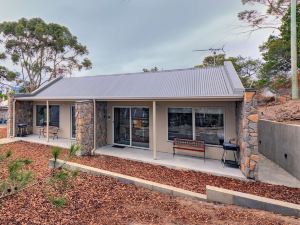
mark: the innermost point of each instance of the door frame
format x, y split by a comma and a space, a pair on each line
130, 127
71, 124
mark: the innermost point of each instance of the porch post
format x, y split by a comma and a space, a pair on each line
14, 118
154, 130
47, 122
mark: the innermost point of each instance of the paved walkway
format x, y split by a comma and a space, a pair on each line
178, 162
7, 140
60, 142
270, 172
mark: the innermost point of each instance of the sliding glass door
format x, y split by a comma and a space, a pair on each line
73, 122
131, 126
140, 127
122, 126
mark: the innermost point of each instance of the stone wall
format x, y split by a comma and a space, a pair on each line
247, 120
23, 114
84, 113
101, 125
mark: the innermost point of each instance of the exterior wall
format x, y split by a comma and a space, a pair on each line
280, 143
3, 113
84, 113
101, 124
247, 129
64, 118
23, 114
163, 145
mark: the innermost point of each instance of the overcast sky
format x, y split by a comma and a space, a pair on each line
129, 35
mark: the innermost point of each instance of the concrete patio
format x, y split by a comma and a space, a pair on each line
60, 142
178, 162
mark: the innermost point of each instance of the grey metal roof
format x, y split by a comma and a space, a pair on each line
210, 82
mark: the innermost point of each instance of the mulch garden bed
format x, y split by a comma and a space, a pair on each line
104, 200
189, 180
3, 132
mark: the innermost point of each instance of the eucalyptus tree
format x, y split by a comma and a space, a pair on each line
42, 51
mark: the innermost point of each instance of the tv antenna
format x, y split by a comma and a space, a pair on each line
214, 51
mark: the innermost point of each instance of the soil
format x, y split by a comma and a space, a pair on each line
287, 112
104, 200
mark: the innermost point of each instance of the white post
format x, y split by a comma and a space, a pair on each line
14, 118
154, 129
294, 69
47, 122
95, 143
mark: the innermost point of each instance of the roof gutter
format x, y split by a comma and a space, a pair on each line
76, 98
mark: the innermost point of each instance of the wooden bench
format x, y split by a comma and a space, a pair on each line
188, 145
53, 131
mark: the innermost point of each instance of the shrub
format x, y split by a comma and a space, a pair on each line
55, 154
58, 202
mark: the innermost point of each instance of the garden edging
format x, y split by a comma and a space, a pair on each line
213, 194
128, 179
225, 196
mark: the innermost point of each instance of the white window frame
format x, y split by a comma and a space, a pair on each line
194, 120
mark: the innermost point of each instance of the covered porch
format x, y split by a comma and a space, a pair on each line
210, 166
59, 142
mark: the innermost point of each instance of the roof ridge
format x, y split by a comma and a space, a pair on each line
148, 73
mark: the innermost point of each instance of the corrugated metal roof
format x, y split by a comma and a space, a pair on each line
210, 82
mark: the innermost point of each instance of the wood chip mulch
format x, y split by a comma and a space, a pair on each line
103, 200
189, 180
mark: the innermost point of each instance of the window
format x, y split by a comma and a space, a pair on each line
209, 125
41, 115
206, 123
180, 123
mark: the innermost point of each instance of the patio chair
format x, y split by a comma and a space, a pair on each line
53, 131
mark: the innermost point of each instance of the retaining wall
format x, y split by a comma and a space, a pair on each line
280, 143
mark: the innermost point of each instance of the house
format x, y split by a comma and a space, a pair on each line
145, 110
3, 111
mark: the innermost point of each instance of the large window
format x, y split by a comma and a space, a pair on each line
41, 115
180, 123
206, 123
209, 125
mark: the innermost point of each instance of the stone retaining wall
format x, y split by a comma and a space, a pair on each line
247, 130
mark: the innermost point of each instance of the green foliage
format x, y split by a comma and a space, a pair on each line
7, 154
25, 161
18, 177
58, 202
248, 69
55, 154
153, 69
276, 53
73, 150
43, 51
267, 17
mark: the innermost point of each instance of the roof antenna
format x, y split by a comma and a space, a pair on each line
213, 51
